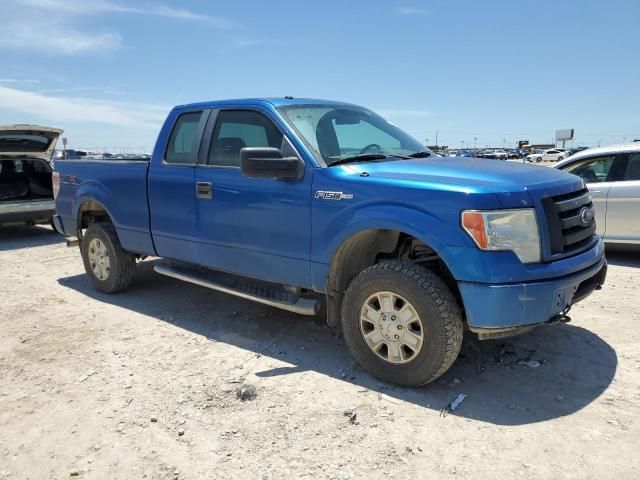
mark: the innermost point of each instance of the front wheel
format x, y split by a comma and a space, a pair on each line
402, 323
110, 268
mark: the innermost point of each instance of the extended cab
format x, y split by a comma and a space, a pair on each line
301, 203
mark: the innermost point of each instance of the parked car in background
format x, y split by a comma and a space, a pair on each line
68, 154
26, 190
551, 155
495, 153
573, 151
612, 175
513, 153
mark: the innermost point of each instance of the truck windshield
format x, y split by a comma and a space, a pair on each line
342, 133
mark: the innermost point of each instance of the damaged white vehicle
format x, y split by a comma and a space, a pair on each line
26, 189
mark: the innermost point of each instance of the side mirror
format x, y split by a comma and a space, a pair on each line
268, 162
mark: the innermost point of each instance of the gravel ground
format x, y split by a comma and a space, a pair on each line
143, 385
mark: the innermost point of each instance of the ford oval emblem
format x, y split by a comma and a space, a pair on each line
586, 215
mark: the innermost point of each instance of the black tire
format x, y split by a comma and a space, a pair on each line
434, 303
122, 264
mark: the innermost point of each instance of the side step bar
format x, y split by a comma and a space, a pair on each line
260, 292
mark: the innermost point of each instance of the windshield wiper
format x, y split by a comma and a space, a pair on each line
423, 154
363, 157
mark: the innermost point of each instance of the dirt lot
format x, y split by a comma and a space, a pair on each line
143, 385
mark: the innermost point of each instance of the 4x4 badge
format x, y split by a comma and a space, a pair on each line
333, 195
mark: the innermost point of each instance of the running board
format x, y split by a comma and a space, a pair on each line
257, 291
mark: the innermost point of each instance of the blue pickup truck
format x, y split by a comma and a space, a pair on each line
320, 206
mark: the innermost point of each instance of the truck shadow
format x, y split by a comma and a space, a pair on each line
548, 373
13, 237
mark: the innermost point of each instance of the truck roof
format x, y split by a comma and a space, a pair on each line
275, 101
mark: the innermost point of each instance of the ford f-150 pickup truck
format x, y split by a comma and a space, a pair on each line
300, 203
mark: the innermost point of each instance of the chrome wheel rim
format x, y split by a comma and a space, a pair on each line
99, 259
391, 327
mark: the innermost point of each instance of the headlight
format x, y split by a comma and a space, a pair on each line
515, 230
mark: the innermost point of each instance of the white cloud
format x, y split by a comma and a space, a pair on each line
412, 11
55, 26
96, 7
18, 80
58, 110
39, 36
182, 14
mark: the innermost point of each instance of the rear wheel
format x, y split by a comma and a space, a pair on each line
538, 159
110, 268
401, 322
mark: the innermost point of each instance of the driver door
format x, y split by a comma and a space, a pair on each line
256, 227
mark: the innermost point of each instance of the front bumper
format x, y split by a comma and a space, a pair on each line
523, 304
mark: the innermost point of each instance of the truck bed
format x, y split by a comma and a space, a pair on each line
120, 186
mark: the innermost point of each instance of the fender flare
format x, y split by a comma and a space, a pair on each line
92, 192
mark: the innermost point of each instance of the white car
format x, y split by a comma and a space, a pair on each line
612, 175
551, 155
495, 153
500, 154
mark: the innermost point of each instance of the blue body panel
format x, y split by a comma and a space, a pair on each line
119, 186
172, 201
278, 231
518, 304
255, 226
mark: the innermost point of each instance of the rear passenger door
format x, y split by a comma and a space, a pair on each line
172, 190
623, 202
257, 227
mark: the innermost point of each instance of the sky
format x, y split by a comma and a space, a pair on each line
479, 73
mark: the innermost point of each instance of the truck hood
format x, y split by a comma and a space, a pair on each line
28, 141
480, 174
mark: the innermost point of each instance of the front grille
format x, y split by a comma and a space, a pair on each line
568, 231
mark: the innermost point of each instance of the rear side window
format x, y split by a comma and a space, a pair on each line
236, 129
181, 149
633, 167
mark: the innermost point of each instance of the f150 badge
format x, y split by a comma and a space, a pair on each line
333, 195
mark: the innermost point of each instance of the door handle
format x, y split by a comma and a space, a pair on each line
595, 193
204, 190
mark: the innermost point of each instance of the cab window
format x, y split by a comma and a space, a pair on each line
181, 149
236, 129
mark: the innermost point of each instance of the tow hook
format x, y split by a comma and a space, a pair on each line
561, 317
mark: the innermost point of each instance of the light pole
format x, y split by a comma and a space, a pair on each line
436, 138
475, 141
503, 143
462, 144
